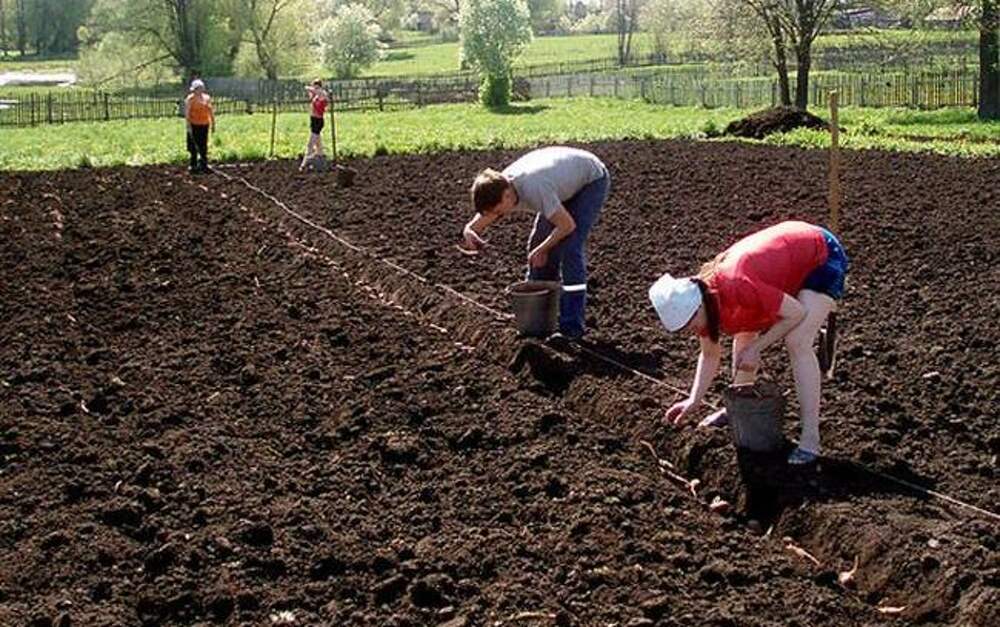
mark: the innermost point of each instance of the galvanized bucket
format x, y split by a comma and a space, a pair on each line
536, 307
754, 412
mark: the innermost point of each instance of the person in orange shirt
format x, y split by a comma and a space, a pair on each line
200, 117
779, 284
318, 101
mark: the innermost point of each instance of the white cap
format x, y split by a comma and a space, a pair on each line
676, 301
196, 83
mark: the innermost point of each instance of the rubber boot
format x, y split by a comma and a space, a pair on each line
572, 308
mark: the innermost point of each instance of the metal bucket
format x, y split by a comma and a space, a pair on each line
536, 307
754, 412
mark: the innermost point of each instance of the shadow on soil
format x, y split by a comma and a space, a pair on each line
763, 486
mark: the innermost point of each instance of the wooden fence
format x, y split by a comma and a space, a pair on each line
925, 90
687, 88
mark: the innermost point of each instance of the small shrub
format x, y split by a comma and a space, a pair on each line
495, 91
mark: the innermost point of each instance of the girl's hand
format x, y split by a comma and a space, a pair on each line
538, 258
748, 359
472, 239
679, 411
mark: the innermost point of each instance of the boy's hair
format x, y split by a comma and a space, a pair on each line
317, 83
488, 189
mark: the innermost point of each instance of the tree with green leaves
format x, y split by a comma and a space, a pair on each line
626, 18
274, 35
545, 14
350, 41
3, 29
195, 34
21, 25
388, 13
493, 34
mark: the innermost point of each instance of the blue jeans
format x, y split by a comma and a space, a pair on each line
829, 278
569, 257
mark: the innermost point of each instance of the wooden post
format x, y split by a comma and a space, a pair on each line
333, 133
834, 163
274, 122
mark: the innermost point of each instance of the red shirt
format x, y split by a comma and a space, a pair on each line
757, 271
318, 106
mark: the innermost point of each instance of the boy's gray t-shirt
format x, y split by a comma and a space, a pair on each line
547, 177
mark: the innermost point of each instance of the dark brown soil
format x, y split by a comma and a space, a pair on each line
212, 413
775, 120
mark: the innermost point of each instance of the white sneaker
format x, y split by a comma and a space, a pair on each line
715, 420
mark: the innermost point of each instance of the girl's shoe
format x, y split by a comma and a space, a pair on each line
716, 420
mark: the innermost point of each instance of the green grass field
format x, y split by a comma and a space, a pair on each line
416, 54
420, 56
465, 126
14, 63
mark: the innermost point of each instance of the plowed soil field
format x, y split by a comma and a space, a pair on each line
212, 412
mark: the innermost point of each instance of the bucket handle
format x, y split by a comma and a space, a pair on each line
551, 286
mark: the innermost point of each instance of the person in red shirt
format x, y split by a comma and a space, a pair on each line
777, 284
318, 101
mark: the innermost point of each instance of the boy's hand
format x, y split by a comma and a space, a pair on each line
538, 258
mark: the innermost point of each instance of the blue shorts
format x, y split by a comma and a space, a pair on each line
829, 278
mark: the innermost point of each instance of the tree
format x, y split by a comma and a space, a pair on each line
984, 16
351, 41
53, 24
273, 35
387, 13
3, 29
626, 23
195, 34
775, 16
989, 60
544, 15
21, 24
792, 26
494, 33
666, 20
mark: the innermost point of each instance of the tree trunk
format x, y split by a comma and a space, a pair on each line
187, 37
804, 57
3, 30
621, 32
21, 23
781, 64
989, 61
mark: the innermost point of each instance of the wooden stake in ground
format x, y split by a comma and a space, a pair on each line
828, 334
834, 163
333, 132
274, 122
